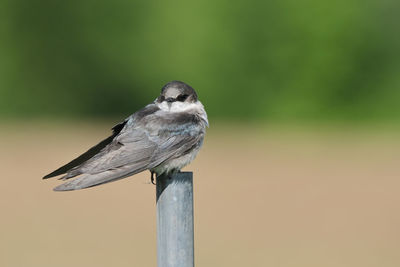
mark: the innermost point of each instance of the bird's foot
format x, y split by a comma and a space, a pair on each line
152, 178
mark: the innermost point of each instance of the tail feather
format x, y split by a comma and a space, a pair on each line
90, 180
81, 159
88, 154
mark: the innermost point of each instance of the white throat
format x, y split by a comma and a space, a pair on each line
178, 106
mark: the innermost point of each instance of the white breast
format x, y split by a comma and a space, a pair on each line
178, 163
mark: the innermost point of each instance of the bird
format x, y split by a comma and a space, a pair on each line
163, 137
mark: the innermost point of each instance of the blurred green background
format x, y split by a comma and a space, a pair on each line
311, 181
274, 60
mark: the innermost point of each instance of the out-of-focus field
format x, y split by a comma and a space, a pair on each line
267, 197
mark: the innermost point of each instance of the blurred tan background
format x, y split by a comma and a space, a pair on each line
277, 196
300, 166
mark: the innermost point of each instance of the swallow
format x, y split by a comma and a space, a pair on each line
163, 137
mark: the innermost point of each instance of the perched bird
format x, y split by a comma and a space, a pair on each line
163, 137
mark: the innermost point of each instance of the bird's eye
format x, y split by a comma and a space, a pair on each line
161, 98
182, 98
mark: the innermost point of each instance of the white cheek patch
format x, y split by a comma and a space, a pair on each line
163, 106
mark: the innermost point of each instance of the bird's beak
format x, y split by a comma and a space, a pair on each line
169, 101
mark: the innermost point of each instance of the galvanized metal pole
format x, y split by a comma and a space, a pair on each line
175, 246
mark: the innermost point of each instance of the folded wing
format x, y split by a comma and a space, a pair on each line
88, 154
136, 148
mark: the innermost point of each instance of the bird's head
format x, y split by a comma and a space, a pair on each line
177, 93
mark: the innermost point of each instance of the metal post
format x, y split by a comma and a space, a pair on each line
175, 246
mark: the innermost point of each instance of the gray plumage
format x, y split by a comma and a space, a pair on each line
162, 137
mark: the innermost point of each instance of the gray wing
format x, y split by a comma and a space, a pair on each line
144, 143
88, 154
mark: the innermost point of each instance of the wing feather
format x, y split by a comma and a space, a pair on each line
89, 180
142, 144
88, 154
